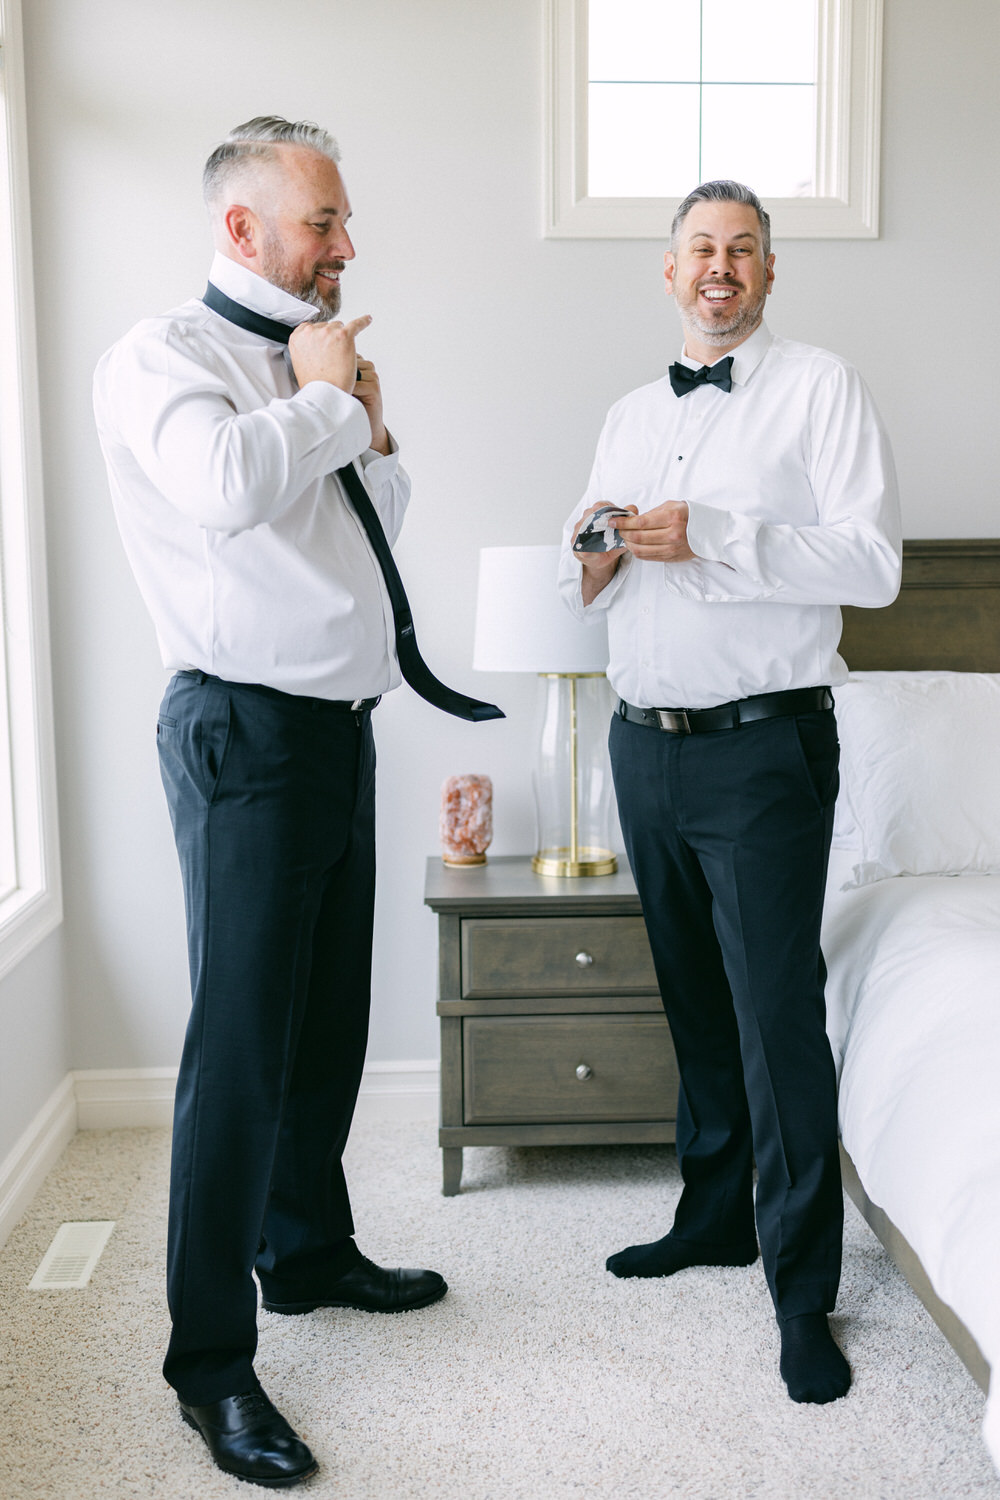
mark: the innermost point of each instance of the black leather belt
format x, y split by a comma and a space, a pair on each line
336, 705
728, 715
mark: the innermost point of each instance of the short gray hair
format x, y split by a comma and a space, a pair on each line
723, 192
256, 140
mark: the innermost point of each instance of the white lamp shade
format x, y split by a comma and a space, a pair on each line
522, 625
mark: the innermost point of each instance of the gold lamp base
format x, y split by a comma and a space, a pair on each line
582, 862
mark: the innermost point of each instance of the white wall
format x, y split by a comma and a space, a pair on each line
34, 1055
499, 353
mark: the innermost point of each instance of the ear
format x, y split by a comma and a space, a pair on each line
769, 274
241, 230
669, 267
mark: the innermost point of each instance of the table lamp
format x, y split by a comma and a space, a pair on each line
522, 625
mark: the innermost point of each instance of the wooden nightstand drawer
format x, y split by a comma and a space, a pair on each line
552, 1032
565, 1068
556, 956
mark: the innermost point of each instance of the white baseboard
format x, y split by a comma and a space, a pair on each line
113, 1098
123, 1098
399, 1091
126, 1098
28, 1163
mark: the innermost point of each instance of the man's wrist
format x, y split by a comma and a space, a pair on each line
596, 575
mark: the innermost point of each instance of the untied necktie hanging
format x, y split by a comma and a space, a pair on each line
411, 663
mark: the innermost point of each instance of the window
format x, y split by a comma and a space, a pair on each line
30, 903
647, 98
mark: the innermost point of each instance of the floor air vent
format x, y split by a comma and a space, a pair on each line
70, 1259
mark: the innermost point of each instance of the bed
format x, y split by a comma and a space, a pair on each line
912, 938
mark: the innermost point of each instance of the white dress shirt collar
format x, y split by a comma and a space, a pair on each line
746, 356
252, 291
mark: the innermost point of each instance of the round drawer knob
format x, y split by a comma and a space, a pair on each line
583, 1072
584, 960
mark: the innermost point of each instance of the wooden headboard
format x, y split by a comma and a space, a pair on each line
946, 618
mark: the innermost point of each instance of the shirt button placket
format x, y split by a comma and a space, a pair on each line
678, 468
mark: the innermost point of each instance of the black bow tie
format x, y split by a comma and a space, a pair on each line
411, 663
684, 379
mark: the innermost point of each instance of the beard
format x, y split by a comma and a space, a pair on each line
724, 330
274, 269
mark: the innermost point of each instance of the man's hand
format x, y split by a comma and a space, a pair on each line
369, 393
658, 535
598, 567
326, 351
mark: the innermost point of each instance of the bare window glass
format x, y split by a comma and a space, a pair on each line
681, 91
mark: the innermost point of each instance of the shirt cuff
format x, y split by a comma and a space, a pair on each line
348, 418
381, 466
725, 548
709, 531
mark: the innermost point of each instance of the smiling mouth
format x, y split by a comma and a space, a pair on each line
718, 295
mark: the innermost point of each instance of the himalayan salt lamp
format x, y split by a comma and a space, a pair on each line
466, 819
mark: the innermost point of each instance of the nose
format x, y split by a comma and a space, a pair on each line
339, 243
722, 264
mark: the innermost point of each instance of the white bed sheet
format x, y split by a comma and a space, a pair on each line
913, 1005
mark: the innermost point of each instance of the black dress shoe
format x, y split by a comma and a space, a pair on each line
249, 1438
371, 1288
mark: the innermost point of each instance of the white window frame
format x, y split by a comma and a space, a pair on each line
30, 886
849, 82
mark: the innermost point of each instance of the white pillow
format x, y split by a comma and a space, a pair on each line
920, 772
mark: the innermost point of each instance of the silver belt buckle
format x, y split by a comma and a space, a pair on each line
674, 721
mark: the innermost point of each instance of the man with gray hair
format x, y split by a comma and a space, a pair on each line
755, 494
257, 490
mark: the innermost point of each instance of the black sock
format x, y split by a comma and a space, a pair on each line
664, 1257
812, 1366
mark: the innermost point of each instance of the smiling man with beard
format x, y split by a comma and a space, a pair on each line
761, 496
223, 423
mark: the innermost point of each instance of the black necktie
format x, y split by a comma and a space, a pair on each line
684, 379
411, 663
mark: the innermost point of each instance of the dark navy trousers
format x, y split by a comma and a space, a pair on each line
728, 835
272, 801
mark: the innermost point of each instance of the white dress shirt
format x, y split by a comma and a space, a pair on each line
793, 511
245, 547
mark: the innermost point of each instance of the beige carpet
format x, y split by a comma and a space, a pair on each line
539, 1377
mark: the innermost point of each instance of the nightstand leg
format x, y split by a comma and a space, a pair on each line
451, 1162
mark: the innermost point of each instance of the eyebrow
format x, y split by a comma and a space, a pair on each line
703, 234
327, 213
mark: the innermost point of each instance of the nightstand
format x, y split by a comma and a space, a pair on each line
552, 1031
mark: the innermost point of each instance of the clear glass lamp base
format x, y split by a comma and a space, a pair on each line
572, 779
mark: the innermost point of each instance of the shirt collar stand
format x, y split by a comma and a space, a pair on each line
252, 291
746, 356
